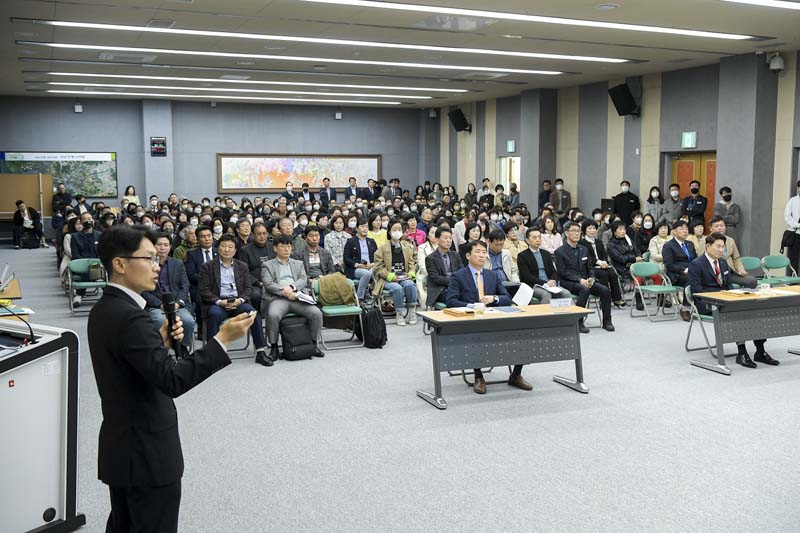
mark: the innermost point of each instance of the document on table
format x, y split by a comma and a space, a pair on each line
524, 295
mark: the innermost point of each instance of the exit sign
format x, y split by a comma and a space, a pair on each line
511, 146
689, 139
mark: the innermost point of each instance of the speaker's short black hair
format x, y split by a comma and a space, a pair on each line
121, 240
281, 239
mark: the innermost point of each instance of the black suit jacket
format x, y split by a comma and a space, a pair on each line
370, 195
290, 196
529, 267
210, 284
326, 198
352, 254
348, 192
254, 256
703, 279
438, 278
32, 213
178, 282
194, 261
675, 260
137, 379
311, 197
571, 268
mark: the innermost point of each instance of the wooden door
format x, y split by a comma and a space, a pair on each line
700, 166
708, 182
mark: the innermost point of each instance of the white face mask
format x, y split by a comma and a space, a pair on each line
405, 210
193, 222
206, 203
218, 230
390, 212
198, 210
148, 224
345, 212
234, 220
648, 225
303, 222
559, 186
625, 188
288, 189
674, 193
385, 224
290, 208
396, 235
655, 194
308, 208
352, 224
316, 206
494, 218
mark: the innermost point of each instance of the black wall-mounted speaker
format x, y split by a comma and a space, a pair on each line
623, 100
459, 121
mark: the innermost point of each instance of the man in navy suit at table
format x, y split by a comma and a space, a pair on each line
475, 284
710, 273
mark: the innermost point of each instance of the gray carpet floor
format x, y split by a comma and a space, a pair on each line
343, 443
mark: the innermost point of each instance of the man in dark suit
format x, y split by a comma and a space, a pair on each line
711, 273
352, 190
288, 194
677, 254
225, 290
205, 252
393, 190
139, 455
254, 255
536, 268
626, 203
27, 219
475, 284
577, 274
370, 193
327, 194
171, 279
306, 194
440, 265
359, 257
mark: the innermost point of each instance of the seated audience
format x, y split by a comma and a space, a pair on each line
171, 279
27, 220
225, 292
422, 271
711, 273
657, 243
336, 239
395, 271
730, 253
499, 259
577, 275
440, 265
536, 268
284, 278
254, 255
697, 236
205, 252
376, 230
475, 284
316, 260
513, 243
415, 236
603, 270
678, 253
359, 258
623, 254
551, 238
83, 245
473, 232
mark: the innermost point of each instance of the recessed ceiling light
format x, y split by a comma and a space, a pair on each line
531, 18
245, 63
320, 67
606, 7
221, 97
205, 53
768, 3
257, 82
226, 90
318, 40
509, 36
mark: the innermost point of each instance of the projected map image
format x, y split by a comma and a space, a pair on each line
92, 174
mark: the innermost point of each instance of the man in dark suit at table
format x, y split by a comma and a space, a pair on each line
352, 190
139, 455
677, 254
440, 265
475, 284
711, 273
577, 275
327, 194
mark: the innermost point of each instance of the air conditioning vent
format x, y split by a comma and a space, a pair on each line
124, 56
234, 77
480, 76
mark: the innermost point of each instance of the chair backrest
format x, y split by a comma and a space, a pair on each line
645, 270
81, 266
646, 256
687, 293
774, 262
751, 263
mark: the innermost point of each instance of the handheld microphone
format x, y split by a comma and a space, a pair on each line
168, 303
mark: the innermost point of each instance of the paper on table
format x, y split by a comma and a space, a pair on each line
524, 295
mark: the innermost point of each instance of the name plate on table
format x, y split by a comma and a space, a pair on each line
560, 305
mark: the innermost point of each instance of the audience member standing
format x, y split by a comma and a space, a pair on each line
791, 215
626, 203
561, 198
730, 212
695, 204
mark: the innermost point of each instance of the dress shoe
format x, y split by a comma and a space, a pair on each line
764, 357
608, 326
480, 386
318, 353
263, 359
639, 306
582, 327
620, 304
274, 354
686, 315
744, 360
519, 382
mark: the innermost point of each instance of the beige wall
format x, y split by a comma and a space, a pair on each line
567, 143
615, 146
444, 147
650, 153
784, 124
490, 140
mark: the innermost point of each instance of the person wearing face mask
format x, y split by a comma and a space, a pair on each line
486, 197
83, 245
359, 257
729, 211
625, 203
674, 204
694, 205
655, 205
396, 271
288, 194
154, 203
561, 198
306, 194
791, 237
544, 194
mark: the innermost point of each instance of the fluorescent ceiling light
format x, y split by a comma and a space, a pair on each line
317, 40
768, 3
288, 58
174, 88
257, 82
532, 18
218, 97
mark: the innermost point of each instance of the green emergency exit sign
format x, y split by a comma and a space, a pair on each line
689, 139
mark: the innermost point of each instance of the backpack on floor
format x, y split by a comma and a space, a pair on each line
296, 338
29, 241
374, 333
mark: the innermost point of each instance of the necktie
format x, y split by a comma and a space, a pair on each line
718, 273
479, 280
208, 255
685, 250
446, 261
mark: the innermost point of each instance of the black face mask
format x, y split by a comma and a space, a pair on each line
694, 190
87, 225
727, 197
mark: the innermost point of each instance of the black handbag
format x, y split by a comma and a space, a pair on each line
296, 339
788, 240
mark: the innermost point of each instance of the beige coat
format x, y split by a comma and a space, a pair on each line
383, 264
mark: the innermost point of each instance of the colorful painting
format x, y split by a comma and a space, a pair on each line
264, 173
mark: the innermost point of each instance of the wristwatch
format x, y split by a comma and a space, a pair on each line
496, 299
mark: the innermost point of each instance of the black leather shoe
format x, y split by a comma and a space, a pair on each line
318, 353
608, 326
620, 304
582, 327
263, 359
744, 360
274, 354
764, 357
686, 315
